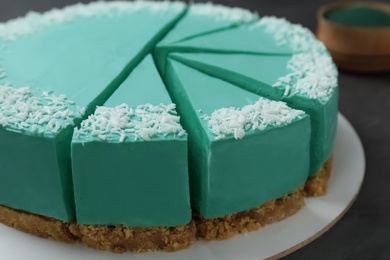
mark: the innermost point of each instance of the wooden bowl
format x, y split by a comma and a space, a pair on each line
354, 48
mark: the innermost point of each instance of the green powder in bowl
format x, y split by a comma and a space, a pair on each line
359, 16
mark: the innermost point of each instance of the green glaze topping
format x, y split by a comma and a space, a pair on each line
299, 38
263, 113
222, 13
116, 124
33, 21
23, 110
360, 16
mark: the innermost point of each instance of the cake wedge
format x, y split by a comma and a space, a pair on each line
129, 164
55, 68
201, 19
244, 150
278, 78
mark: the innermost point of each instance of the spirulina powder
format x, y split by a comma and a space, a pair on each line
359, 16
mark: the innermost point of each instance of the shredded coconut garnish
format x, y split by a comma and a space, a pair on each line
34, 21
23, 110
222, 13
237, 121
299, 38
123, 122
313, 72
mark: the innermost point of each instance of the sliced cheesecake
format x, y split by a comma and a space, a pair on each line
129, 159
244, 150
201, 19
304, 85
56, 67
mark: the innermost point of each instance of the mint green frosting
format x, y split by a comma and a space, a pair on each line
79, 61
246, 38
228, 175
143, 86
201, 19
149, 177
258, 74
205, 18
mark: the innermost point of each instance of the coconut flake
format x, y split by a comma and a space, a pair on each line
24, 110
222, 13
313, 71
237, 121
120, 122
34, 21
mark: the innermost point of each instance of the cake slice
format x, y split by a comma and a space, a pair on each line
129, 159
256, 36
201, 19
130, 169
286, 78
56, 67
244, 150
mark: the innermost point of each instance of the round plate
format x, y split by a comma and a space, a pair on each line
273, 241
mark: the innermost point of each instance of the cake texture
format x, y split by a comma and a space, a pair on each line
116, 239
250, 220
143, 126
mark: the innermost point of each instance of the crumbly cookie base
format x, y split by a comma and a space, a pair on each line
119, 239
318, 185
37, 225
250, 220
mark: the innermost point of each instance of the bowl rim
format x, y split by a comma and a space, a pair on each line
323, 10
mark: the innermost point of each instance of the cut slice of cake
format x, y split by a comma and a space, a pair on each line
244, 150
129, 159
256, 36
56, 67
304, 82
201, 19
129, 165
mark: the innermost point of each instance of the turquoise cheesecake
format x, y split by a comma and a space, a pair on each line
244, 150
135, 151
201, 19
295, 68
58, 67
140, 125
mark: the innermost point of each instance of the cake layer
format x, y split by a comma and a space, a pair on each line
201, 19
55, 68
265, 75
129, 159
244, 150
116, 239
249, 220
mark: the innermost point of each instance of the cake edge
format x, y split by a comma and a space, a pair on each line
120, 239
268, 213
249, 220
318, 185
116, 239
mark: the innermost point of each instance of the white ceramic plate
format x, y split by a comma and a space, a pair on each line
273, 241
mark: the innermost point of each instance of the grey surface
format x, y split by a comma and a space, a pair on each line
364, 232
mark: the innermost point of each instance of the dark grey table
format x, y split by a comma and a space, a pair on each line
364, 232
